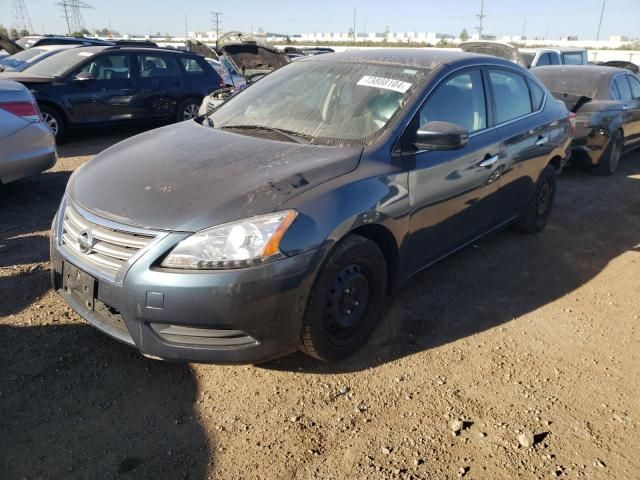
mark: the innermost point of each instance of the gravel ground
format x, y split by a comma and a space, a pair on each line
515, 358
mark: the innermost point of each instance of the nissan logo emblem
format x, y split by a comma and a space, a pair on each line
85, 241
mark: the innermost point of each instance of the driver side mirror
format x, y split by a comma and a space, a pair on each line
84, 76
441, 136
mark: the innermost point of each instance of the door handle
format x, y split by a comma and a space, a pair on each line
541, 140
625, 107
488, 161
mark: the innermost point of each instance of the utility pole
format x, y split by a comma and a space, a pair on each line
600, 22
21, 16
524, 29
216, 19
480, 19
354, 25
186, 29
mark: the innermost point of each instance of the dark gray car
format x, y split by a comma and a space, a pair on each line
282, 220
606, 102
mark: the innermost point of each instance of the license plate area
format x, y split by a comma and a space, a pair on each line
79, 284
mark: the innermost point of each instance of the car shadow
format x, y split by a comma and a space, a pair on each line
76, 404
505, 275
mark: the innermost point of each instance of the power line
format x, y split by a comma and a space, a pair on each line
21, 17
72, 13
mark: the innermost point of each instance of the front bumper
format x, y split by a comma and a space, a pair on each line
232, 316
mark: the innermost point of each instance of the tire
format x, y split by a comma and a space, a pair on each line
345, 301
187, 109
55, 121
536, 213
611, 159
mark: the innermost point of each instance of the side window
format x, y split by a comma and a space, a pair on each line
156, 66
623, 87
554, 58
613, 91
191, 66
543, 60
108, 67
459, 100
511, 95
537, 95
635, 86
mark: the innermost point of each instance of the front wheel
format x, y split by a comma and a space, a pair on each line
537, 212
345, 300
187, 109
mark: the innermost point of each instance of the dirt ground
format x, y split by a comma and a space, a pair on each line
517, 334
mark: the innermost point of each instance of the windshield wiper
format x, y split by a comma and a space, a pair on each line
290, 134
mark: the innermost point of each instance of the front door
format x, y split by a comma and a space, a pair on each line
108, 97
453, 193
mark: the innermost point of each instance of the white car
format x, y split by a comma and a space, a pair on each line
531, 58
20, 61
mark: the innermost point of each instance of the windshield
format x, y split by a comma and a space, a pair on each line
20, 58
328, 103
26, 42
57, 64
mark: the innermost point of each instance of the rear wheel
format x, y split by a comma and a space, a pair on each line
187, 109
54, 121
345, 301
537, 212
611, 159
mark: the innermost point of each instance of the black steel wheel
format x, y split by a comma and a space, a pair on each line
345, 301
537, 212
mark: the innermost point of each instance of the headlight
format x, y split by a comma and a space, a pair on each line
238, 244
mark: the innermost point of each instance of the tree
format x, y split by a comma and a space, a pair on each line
81, 33
24, 32
13, 33
464, 35
3, 31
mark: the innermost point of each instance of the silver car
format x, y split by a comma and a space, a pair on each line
27, 145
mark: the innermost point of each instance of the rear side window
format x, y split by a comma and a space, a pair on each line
623, 87
191, 66
574, 58
537, 95
155, 66
459, 100
635, 86
511, 94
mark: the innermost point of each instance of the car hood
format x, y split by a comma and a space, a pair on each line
9, 45
495, 49
250, 56
187, 177
25, 77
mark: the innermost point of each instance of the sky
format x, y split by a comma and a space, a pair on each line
503, 17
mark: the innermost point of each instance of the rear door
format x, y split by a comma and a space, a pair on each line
629, 108
634, 107
108, 97
160, 82
526, 142
453, 193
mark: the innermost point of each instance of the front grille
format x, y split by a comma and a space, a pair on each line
106, 248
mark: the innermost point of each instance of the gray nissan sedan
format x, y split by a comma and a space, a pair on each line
282, 220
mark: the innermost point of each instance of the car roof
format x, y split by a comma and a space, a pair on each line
126, 48
413, 57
